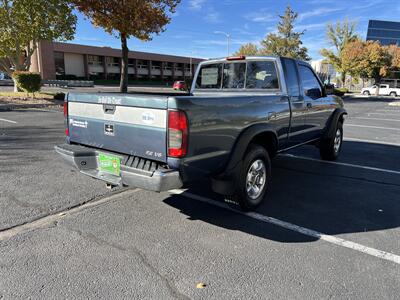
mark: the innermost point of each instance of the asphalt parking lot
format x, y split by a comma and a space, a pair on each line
329, 230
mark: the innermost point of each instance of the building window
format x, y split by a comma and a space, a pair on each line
95, 60
59, 63
113, 61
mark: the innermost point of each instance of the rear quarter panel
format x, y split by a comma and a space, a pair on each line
216, 121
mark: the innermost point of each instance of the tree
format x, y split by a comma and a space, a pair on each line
394, 52
338, 37
367, 60
26, 22
128, 18
286, 42
247, 49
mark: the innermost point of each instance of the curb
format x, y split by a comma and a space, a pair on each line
8, 107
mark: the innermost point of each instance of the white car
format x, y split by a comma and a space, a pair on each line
384, 90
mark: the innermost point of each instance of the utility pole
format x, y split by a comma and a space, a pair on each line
228, 40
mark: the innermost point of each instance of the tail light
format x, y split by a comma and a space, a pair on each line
177, 133
66, 118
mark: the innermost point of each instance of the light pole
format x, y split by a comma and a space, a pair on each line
228, 40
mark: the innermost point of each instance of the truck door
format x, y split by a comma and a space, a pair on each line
319, 107
297, 105
384, 89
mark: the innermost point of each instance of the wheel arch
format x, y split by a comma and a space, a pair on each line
337, 116
261, 134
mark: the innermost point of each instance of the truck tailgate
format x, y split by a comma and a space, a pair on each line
130, 124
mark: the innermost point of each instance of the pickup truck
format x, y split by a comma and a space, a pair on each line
239, 113
384, 90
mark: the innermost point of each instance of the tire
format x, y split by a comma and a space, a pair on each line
254, 179
330, 148
366, 93
393, 94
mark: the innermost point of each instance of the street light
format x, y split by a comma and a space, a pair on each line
228, 39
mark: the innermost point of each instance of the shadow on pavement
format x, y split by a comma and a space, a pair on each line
327, 198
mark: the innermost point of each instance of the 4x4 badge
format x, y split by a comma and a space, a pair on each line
109, 129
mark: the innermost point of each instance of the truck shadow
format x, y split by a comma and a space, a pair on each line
331, 199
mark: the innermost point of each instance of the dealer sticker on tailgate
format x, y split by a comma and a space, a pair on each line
109, 164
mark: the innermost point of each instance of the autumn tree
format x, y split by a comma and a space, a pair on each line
247, 49
339, 36
394, 52
128, 18
287, 42
367, 60
26, 22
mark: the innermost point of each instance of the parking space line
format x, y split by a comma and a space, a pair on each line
385, 114
376, 119
374, 127
342, 164
309, 232
9, 121
371, 141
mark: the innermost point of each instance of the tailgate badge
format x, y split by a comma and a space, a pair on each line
148, 118
109, 129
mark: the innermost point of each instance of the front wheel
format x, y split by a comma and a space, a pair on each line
330, 148
366, 93
254, 179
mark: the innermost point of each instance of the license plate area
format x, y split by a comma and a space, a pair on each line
109, 164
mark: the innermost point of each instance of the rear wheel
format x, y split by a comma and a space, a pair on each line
367, 93
330, 148
393, 94
254, 179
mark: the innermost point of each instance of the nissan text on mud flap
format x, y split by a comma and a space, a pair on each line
239, 114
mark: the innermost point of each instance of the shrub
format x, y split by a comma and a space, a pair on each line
59, 96
27, 81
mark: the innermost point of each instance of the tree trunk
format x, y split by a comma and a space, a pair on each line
123, 87
343, 79
377, 83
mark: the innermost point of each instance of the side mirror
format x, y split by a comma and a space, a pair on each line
329, 89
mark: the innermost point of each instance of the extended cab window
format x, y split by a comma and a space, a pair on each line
311, 85
261, 75
209, 77
234, 75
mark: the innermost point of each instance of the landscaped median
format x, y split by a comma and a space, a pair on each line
11, 100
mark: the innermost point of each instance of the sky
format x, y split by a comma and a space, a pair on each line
193, 26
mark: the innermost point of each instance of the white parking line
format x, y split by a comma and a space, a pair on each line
389, 110
342, 164
377, 119
374, 127
309, 232
371, 141
384, 114
9, 121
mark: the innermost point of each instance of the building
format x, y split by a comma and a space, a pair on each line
71, 61
325, 70
387, 33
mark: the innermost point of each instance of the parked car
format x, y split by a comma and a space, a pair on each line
240, 113
384, 90
179, 85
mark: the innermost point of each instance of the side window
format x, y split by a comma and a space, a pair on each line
292, 78
261, 75
311, 85
234, 76
210, 77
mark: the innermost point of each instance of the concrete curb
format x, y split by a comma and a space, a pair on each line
8, 107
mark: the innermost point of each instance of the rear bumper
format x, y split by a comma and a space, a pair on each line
85, 160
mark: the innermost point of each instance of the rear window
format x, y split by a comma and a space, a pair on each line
209, 77
261, 75
238, 75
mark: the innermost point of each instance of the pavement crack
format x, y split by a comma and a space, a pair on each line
53, 218
135, 251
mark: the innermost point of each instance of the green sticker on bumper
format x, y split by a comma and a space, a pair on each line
109, 164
